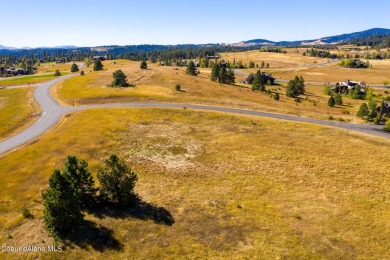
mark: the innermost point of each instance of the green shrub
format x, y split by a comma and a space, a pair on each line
26, 213
178, 87
57, 73
331, 102
387, 127
328, 90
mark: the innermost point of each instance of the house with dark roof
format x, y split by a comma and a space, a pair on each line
348, 85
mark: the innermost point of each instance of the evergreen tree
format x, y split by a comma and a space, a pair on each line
295, 87
338, 99
258, 82
262, 64
372, 108
363, 111
214, 72
276, 96
120, 79
71, 190
230, 77
191, 69
62, 212
356, 93
82, 73
331, 101
222, 75
97, 65
143, 65
206, 62
74, 68
117, 182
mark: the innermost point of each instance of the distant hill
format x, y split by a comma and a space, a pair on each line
6, 48
325, 40
371, 37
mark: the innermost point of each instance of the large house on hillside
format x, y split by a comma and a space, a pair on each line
348, 85
267, 78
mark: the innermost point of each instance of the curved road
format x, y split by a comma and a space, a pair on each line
52, 113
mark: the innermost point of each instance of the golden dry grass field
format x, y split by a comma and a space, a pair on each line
52, 66
16, 107
158, 82
287, 66
236, 186
275, 60
333, 73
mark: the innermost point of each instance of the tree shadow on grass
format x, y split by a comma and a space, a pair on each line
98, 237
139, 210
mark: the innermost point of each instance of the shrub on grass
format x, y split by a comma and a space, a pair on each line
26, 213
57, 73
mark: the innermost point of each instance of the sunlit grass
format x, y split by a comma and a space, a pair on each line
158, 84
237, 186
16, 107
26, 80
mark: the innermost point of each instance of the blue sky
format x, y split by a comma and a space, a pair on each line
36, 23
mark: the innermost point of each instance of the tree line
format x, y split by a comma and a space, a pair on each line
165, 53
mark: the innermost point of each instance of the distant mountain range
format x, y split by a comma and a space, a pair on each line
321, 41
255, 42
43, 47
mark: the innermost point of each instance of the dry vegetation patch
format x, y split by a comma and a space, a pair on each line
16, 109
157, 84
236, 186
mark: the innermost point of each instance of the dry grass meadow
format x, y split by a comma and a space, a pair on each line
158, 82
287, 66
237, 187
16, 107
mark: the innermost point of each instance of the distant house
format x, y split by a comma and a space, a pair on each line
356, 63
213, 57
249, 79
99, 57
20, 71
348, 85
13, 71
267, 78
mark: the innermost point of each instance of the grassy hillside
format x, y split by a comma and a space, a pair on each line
287, 66
16, 107
236, 186
157, 84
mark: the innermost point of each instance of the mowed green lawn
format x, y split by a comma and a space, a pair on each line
16, 107
236, 186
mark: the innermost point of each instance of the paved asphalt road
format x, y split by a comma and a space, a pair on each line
52, 113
